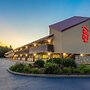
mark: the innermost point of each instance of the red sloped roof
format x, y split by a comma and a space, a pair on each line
65, 24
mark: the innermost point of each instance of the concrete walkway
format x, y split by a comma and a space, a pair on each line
14, 82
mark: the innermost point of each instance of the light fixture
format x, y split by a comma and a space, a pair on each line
34, 44
26, 55
20, 54
34, 54
49, 53
17, 50
64, 54
20, 48
81, 55
26, 46
49, 40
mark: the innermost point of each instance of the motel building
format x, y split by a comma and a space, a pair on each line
69, 38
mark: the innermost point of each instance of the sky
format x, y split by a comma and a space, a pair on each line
23, 21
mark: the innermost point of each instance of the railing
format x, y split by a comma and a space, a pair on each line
22, 51
37, 49
42, 48
9, 55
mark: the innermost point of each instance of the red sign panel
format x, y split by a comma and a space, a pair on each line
85, 34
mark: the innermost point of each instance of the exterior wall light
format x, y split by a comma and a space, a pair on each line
34, 54
49, 41
16, 50
16, 55
49, 53
26, 47
64, 54
21, 55
34, 44
81, 55
20, 48
26, 55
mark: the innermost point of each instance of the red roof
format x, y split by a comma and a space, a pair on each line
65, 24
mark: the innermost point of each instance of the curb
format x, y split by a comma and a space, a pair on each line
50, 75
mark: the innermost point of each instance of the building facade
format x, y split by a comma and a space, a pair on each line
68, 38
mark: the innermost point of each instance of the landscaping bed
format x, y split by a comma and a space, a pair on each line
52, 67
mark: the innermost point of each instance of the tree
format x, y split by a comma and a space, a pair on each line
3, 50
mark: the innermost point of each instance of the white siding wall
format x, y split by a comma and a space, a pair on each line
70, 41
57, 41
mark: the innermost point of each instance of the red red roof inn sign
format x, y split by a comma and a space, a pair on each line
85, 34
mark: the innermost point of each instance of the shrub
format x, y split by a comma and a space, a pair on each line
35, 70
18, 67
86, 70
39, 63
27, 68
76, 71
12, 68
30, 65
50, 60
51, 68
55, 60
60, 71
69, 63
67, 70
41, 70
72, 70
81, 67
